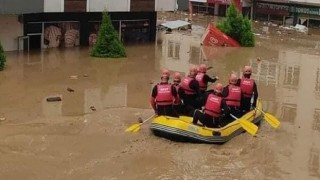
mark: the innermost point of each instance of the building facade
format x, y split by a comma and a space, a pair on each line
36, 24
289, 12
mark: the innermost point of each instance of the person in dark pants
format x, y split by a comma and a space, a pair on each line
248, 89
203, 79
191, 90
163, 96
177, 105
232, 96
214, 107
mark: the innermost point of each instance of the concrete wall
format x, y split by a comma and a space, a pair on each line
111, 5
53, 5
165, 5
21, 6
10, 29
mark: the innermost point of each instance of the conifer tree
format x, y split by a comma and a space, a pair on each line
237, 27
2, 58
108, 44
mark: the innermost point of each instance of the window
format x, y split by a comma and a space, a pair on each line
265, 72
317, 88
289, 112
314, 162
194, 55
292, 74
316, 120
173, 50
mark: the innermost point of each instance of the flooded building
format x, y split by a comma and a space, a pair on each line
37, 24
306, 12
219, 7
272, 10
289, 12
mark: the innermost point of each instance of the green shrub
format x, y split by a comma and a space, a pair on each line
237, 27
2, 58
108, 44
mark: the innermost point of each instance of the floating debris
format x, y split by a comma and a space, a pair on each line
52, 99
70, 90
74, 77
93, 108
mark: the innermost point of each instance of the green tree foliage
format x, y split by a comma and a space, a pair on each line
237, 27
2, 58
108, 44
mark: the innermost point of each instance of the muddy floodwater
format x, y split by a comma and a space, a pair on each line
82, 136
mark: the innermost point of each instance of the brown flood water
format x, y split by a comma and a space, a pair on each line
68, 140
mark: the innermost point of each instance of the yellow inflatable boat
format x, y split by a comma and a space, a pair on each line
182, 129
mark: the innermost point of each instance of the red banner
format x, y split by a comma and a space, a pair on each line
214, 37
236, 2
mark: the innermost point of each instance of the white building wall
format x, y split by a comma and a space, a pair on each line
9, 32
306, 1
180, 45
109, 5
203, 1
165, 5
53, 5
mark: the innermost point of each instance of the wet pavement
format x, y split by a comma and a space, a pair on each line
82, 136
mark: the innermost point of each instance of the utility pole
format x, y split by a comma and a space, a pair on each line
251, 12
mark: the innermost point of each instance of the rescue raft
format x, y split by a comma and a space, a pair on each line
182, 129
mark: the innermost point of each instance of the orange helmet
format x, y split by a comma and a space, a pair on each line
202, 68
177, 77
247, 70
165, 73
233, 79
218, 88
193, 70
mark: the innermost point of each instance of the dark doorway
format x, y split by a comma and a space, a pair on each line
35, 41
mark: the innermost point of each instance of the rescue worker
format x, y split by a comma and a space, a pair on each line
215, 108
248, 89
191, 93
232, 96
163, 96
177, 105
204, 79
191, 90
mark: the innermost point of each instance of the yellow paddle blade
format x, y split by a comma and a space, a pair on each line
249, 126
136, 129
133, 127
273, 121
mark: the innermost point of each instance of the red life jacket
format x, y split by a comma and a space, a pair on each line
246, 86
186, 85
199, 78
234, 96
213, 105
178, 99
164, 94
